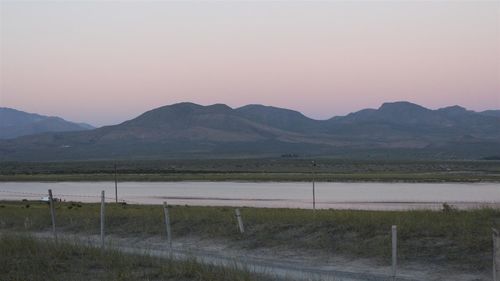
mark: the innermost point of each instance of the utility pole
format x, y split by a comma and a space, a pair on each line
116, 186
313, 182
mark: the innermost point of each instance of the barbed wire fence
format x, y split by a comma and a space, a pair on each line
67, 197
239, 223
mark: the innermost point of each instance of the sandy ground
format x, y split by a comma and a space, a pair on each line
281, 263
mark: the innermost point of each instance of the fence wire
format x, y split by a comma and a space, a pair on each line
60, 196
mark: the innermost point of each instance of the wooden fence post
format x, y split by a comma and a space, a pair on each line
167, 225
240, 221
102, 219
116, 186
496, 267
394, 251
52, 214
313, 185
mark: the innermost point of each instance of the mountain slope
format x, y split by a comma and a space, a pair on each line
400, 129
15, 123
284, 119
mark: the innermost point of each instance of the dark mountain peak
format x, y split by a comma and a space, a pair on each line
390, 112
406, 113
220, 106
189, 107
182, 107
454, 108
177, 111
402, 106
255, 106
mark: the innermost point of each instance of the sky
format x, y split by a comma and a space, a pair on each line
104, 62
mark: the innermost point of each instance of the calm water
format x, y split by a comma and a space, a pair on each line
370, 196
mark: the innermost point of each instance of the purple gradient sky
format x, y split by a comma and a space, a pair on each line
105, 62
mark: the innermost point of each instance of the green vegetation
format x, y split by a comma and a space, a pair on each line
449, 237
25, 258
271, 169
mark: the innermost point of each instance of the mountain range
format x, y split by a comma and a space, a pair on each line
186, 130
15, 123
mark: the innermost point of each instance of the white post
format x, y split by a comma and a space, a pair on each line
167, 225
102, 219
394, 251
240, 221
52, 214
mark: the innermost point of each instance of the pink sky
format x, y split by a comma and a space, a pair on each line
106, 62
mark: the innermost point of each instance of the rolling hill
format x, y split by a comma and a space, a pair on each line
187, 130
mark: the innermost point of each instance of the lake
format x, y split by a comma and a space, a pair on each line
362, 196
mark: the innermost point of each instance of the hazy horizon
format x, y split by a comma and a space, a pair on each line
106, 62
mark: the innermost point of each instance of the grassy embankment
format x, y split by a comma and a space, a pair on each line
25, 258
254, 170
459, 238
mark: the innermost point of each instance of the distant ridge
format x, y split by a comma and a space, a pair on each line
15, 123
401, 130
